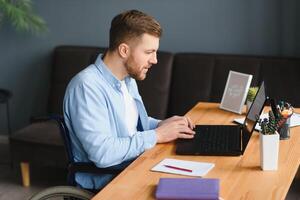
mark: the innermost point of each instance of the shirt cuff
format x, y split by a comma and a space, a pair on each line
150, 139
153, 123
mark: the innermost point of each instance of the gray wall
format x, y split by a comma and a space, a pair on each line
260, 27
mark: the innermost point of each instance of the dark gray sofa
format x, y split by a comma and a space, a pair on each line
173, 86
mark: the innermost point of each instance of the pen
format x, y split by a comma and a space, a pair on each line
178, 168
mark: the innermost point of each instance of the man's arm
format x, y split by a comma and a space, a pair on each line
87, 109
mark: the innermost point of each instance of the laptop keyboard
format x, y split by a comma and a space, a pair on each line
217, 138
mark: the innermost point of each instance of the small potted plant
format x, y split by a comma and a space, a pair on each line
269, 142
250, 96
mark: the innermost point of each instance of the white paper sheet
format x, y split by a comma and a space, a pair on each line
295, 120
198, 168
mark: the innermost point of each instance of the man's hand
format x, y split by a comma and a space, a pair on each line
173, 128
186, 120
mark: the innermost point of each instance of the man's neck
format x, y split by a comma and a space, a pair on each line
115, 64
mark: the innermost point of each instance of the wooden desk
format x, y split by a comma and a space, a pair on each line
240, 177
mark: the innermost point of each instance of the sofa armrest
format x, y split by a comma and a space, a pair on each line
35, 119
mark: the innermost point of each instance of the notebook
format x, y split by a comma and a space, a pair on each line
187, 188
183, 167
224, 140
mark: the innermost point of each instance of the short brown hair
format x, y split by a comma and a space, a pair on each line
130, 24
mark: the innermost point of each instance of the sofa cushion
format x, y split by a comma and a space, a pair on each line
45, 132
67, 62
223, 64
191, 81
39, 143
155, 88
281, 76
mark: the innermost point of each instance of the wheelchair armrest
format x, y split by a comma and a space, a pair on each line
89, 167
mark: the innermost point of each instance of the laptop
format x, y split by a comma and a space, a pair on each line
224, 140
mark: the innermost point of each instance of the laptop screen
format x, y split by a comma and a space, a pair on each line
255, 110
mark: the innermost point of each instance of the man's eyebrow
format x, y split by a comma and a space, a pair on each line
151, 50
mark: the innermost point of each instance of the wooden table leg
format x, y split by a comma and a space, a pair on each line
25, 171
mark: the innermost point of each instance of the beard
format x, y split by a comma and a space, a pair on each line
134, 71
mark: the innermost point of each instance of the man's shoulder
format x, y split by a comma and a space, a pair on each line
89, 75
90, 72
88, 79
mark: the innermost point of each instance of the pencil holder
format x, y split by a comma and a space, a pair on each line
284, 130
269, 151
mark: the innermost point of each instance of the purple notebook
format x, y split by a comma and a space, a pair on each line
187, 188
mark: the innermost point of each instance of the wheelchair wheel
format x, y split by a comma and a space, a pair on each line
63, 192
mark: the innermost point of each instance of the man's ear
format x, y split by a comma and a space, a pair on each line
124, 50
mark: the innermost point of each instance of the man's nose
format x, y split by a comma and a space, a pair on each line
154, 59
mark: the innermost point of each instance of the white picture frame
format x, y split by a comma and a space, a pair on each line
235, 92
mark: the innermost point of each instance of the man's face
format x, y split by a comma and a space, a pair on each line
142, 56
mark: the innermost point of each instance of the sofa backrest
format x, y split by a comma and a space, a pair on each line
69, 60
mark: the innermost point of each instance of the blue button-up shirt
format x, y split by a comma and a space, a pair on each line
94, 113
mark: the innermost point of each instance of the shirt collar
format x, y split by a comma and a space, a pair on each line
108, 75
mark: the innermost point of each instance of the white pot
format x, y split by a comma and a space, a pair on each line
269, 151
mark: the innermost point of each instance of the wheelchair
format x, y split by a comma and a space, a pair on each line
73, 192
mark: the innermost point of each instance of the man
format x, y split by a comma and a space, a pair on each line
103, 110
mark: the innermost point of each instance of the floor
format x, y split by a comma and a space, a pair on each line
10, 179
11, 188
294, 192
